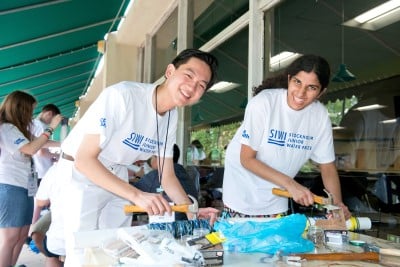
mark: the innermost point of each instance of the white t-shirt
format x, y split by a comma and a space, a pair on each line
124, 117
52, 188
15, 167
194, 155
284, 139
42, 164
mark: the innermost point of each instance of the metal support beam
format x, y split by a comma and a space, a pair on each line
256, 47
185, 40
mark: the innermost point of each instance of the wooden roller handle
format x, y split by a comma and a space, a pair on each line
133, 208
361, 256
285, 193
390, 252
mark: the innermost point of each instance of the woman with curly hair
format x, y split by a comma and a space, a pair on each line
284, 126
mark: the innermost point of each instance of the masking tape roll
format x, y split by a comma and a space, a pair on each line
359, 243
358, 223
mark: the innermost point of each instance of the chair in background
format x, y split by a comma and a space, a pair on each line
211, 190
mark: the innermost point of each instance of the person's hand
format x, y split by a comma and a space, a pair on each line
208, 213
55, 121
301, 194
346, 212
153, 204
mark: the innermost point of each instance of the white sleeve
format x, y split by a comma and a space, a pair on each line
253, 124
13, 139
105, 114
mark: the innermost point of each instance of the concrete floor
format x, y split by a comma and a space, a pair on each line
30, 258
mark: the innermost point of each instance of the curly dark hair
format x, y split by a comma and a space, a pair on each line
307, 63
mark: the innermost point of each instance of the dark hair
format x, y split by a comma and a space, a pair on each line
197, 144
51, 107
307, 63
176, 154
17, 109
211, 61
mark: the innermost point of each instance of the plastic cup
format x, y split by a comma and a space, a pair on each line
316, 235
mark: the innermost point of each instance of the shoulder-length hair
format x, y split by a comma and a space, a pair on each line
17, 109
307, 63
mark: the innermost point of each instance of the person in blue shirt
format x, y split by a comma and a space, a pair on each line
150, 181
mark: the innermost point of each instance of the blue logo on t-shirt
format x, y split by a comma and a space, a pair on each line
277, 137
245, 134
134, 140
290, 140
143, 144
19, 140
103, 122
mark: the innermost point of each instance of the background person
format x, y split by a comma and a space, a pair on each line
44, 158
49, 237
282, 129
111, 136
18, 180
138, 169
195, 153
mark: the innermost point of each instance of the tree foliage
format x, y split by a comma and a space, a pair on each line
216, 138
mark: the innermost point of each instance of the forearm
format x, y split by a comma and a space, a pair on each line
87, 162
175, 191
51, 143
32, 147
300, 194
97, 173
171, 184
39, 205
331, 181
266, 172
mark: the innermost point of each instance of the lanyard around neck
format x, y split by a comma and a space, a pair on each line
161, 168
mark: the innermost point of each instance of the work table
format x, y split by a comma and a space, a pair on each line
255, 259
90, 241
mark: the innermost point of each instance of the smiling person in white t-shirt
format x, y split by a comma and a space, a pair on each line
130, 121
284, 126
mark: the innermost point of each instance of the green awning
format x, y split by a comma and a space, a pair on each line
49, 48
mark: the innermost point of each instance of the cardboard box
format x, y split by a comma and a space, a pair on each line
213, 256
336, 237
